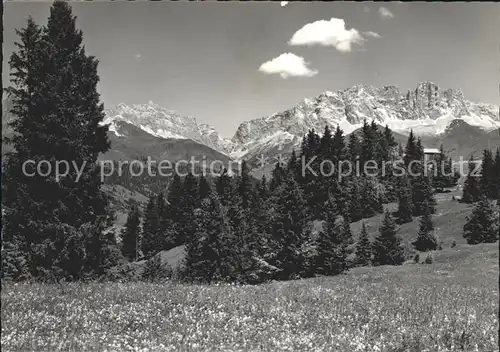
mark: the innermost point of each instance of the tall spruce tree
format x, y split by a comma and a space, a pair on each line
487, 184
131, 233
331, 258
444, 175
471, 191
353, 147
426, 238
151, 239
288, 230
58, 116
483, 225
204, 188
363, 248
405, 204
410, 152
211, 253
387, 246
174, 214
496, 173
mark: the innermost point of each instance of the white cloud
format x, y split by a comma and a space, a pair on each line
138, 57
327, 33
385, 13
283, 3
288, 65
372, 34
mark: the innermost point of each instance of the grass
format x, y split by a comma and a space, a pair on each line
450, 305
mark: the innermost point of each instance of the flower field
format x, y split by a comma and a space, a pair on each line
450, 305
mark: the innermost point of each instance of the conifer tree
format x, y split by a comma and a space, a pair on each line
444, 176
58, 116
208, 254
130, 234
496, 174
224, 187
325, 144
471, 191
483, 225
244, 186
151, 241
355, 204
288, 227
331, 250
367, 143
405, 205
410, 152
190, 195
354, 147
371, 204
387, 246
487, 184
338, 146
263, 191
204, 188
363, 248
174, 214
426, 238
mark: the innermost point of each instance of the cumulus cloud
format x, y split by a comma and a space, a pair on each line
327, 33
288, 65
283, 3
384, 12
372, 34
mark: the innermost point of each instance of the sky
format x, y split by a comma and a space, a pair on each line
225, 63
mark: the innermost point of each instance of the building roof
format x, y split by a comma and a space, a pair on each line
431, 151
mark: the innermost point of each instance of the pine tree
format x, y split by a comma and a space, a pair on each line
190, 195
355, 204
331, 258
208, 255
371, 204
130, 234
174, 214
387, 246
151, 241
338, 146
354, 147
363, 248
405, 205
483, 225
58, 118
410, 152
445, 175
204, 188
288, 227
471, 191
487, 184
422, 192
244, 186
496, 174
426, 239
224, 187
325, 144
367, 143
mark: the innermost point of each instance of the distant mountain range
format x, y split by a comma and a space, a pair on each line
437, 115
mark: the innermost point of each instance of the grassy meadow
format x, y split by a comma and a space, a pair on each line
449, 305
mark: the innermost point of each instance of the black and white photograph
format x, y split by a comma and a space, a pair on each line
250, 176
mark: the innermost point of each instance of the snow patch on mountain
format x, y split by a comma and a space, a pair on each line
428, 110
164, 123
